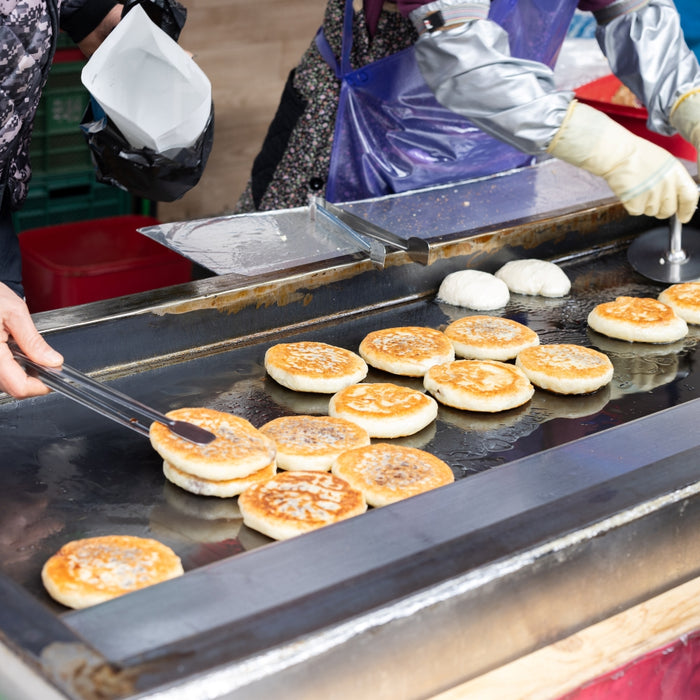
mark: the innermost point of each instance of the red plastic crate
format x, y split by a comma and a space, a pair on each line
85, 261
599, 94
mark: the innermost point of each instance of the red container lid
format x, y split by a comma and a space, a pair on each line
600, 93
93, 247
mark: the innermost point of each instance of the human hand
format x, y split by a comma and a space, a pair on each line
647, 179
16, 323
685, 118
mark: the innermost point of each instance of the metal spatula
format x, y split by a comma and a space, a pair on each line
109, 402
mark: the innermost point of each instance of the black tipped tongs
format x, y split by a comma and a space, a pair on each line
109, 402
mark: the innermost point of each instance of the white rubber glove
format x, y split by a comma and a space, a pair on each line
647, 179
685, 118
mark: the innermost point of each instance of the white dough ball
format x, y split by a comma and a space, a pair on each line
535, 277
474, 289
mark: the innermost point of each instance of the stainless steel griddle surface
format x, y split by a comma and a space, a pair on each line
69, 473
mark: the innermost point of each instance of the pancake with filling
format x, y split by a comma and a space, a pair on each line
479, 385
406, 350
489, 337
389, 473
312, 442
314, 367
684, 299
638, 319
239, 449
384, 410
292, 503
566, 369
90, 571
221, 488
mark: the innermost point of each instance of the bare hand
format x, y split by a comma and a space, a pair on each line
16, 323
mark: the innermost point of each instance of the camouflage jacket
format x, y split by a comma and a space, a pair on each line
28, 36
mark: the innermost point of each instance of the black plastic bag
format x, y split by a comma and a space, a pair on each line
169, 15
161, 177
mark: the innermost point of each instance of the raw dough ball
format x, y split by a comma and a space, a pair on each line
535, 277
474, 289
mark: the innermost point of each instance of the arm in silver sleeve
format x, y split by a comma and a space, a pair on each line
647, 52
470, 70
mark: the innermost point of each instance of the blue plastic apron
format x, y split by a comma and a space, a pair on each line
391, 135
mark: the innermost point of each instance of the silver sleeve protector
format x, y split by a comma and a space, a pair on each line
647, 52
471, 72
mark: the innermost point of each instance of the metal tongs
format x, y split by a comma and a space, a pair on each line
416, 248
109, 402
372, 238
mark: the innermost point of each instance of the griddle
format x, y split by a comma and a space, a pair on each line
591, 498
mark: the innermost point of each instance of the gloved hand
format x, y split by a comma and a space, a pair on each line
685, 118
647, 179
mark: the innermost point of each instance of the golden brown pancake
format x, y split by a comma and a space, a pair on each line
312, 442
489, 337
314, 367
684, 299
479, 385
566, 369
292, 503
221, 488
90, 571
406, 350
638, 319
238, 450
384, 410
389, 473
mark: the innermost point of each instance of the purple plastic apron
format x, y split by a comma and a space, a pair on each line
391, 134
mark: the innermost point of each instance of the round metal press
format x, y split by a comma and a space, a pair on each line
662, 255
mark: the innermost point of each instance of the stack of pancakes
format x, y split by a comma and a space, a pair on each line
239, 457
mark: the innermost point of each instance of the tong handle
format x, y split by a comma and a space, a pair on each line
109, 402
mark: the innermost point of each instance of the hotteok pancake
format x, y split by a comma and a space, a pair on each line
92, 570
638, 319
566, 368
314, 367
406, 350
489, 337
312, 442
389, 473
384, 410
292, 503
479, 385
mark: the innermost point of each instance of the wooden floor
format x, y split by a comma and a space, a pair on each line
565, 666
246, 48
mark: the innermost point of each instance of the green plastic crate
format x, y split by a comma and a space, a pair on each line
75, 197
58, 145
64, 42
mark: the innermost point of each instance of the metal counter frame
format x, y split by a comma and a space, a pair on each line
404, 601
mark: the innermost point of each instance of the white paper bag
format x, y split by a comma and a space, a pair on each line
151, 89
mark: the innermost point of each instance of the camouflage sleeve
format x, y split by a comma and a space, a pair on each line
80, 17
22, 48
